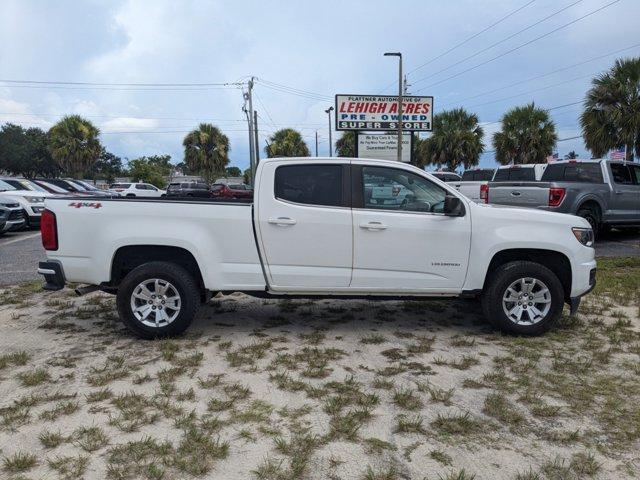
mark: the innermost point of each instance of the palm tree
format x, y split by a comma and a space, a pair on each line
456, 140
611, 117
346, 144
74, 145
571, 155
528, 136
287, 143
206, 151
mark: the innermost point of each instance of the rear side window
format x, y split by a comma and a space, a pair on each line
310, 184
573, 172
515, 173
621, 174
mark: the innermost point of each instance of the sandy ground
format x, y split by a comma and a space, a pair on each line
321, 390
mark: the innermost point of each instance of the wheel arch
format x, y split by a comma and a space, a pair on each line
555, 261
126, 258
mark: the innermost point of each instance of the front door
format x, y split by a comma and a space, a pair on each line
403, 242
304, 223
626, 193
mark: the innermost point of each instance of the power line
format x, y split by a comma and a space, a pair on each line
498, 42
428, 62
532, 91
132, 89
520, 46
293, 91
104, 84
471, 37
545, 74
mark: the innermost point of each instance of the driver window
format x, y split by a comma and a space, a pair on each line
395, 189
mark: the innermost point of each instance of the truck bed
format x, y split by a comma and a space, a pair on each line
205, 226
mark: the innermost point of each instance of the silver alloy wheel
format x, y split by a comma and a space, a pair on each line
155, 302
526, 301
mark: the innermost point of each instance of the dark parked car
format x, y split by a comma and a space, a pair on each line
72, 187
188, 189
446, 176
220, 190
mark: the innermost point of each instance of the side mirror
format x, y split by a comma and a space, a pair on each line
453, 206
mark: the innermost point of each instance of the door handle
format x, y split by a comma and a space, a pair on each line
373, 226
515, 194
283, 221
618, 192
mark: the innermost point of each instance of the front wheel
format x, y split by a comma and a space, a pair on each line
158, 299
523, 298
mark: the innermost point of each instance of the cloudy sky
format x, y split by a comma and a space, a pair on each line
485, 55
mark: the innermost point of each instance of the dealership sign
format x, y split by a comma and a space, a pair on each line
380, 112
380, 146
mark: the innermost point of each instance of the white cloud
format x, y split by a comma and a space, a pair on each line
20, 113
128, 124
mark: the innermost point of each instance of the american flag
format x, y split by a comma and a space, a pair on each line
618, 154
552, 158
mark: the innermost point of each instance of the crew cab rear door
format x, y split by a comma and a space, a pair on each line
304, 226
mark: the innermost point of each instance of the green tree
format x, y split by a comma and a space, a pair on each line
287, 142
346, 144
206, 151
233, 172
107, 167
24, 152
528, 135
149, 170
611, 117
246, 176
74, 145
456, 140
571, 155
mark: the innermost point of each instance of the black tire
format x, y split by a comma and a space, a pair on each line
591, 216
130, 195
179, 278
497, 285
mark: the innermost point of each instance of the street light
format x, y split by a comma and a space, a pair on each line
328, 112
399, 55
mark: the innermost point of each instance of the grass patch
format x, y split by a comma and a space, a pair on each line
35, 377
69, 468
19, 462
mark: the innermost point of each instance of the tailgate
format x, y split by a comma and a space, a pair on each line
521, 194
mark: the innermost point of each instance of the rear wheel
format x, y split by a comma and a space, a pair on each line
523, 298
158, 299
591, 216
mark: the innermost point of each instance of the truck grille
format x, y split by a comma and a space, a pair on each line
16, 215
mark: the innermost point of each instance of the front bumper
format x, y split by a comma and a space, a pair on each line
574, 302
53, 275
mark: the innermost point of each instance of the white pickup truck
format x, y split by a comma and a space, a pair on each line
312, 231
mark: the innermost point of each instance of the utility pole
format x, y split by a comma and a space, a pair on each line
316, 143
255, 131
249, 113
399, 55
328, 112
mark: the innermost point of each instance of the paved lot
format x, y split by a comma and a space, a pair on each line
20, 253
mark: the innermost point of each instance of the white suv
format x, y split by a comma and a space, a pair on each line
137, 190
31, 201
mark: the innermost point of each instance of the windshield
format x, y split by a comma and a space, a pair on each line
86, 185
515, 173
53, 188
4, 186
29, 185
120, 185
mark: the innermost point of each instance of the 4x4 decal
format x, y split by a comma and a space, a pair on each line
86, 204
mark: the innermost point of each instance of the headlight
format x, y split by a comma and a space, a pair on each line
35, 199
583, 235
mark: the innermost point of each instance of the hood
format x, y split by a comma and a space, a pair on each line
528, 215
27, 193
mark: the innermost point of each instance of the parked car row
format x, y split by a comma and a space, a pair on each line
29, 196
202, 190
604, 192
